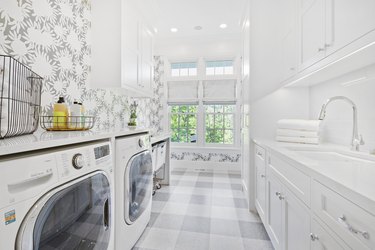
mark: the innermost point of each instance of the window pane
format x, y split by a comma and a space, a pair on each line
174, 121
174, 109
184, 72
218, 108
210, 108
210, 121
192, 121
192, 71
183, 121
228, 70
215, 136
210, 71
228, 137
192, 136
174, 137
219, 71
229, 108
210, 135
228, 121
175, 72
192, 109
183, 135
184, 108
219, 121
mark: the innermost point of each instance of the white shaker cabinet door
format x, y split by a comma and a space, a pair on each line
296, 223
275, 211
312, 32
260, 193
347, 21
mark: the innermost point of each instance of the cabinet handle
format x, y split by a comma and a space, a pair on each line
263, 176
260, 154
327, 45
342, 220
278, 194
314, 237
292, 69
321, 49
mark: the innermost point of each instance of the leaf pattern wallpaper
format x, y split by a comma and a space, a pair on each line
52, 37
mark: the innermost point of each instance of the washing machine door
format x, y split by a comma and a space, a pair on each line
138, 186
76, 215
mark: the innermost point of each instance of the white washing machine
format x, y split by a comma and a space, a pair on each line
58, 199
133, 189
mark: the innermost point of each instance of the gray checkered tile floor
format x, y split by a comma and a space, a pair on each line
202, 210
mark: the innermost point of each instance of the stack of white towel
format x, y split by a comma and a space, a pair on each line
298, 131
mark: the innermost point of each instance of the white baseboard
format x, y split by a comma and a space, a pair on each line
206, 165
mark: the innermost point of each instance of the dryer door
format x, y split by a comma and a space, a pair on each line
73, 216
138, 186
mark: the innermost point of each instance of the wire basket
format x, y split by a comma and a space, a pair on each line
20, 96
67, 123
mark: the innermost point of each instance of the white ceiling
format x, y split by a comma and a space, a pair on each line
186, 14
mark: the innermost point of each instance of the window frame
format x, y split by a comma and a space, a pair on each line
201, 77
233, 129
187, 128
215, 67
187, 68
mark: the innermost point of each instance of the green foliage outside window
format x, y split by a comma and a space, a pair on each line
184, 123
219, 124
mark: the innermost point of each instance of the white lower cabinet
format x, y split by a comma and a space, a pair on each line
288, 219
310, 216
274, 211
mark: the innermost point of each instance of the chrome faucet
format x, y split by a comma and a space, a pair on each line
357, 139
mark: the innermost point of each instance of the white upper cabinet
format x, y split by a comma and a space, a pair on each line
348, 21
312, 32
122, 50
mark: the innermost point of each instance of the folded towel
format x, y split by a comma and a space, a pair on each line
309, 125
297, 140
297, 133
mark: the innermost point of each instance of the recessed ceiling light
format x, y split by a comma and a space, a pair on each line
174, 30
223, 25
198, 27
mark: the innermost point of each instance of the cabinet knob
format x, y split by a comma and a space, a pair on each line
279, 195
321, 49
263, 176
314, 237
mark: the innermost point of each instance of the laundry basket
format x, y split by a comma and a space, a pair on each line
20, 97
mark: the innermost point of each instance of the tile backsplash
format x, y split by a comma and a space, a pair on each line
53, 38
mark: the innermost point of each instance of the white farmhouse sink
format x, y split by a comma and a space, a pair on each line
327, 155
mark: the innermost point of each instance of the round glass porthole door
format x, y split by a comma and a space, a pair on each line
138, 184
76, 216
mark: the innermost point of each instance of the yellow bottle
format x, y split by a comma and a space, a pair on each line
60, 114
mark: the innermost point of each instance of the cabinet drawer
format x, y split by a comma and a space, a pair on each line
322, 238
294, 179
260, 157
349, 221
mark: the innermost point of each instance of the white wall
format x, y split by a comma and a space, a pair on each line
283, 103
337, 127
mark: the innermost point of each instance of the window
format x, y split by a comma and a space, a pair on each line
184, 123
219, 67
219, 124
184, 69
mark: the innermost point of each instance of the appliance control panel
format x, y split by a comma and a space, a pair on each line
83, 159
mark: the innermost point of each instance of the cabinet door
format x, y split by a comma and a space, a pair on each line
313, 32
260, 194
296, 223
275, 211
130, 68
348, 20
146, 76
321, 239
130, 28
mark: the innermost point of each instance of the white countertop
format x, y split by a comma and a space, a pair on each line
355, 180
43, 139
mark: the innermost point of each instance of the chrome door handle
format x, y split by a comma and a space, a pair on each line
342, 220
314, 237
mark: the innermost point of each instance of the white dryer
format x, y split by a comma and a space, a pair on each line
133, 188
58, 199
